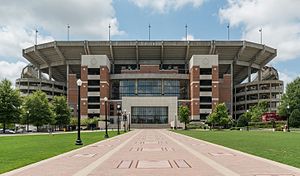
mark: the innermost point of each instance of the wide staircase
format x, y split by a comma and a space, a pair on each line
150, 126
142, 126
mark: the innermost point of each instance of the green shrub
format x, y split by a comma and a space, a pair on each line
295, 119
268, 124
235, 128
197, 126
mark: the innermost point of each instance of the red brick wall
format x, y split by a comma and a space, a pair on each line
72, 92
225, 89
104, 88
215, 85
84, 91
194, 89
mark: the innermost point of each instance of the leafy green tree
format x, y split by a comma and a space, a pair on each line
183, 115
219, 116
258, 110
291, 98
294, 120
10, 102
38, 108
244, 119
61, 111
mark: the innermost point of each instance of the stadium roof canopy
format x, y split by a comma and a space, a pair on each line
57, 54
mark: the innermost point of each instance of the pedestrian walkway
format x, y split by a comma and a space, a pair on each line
156, 153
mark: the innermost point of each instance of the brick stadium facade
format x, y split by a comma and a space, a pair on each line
151, 78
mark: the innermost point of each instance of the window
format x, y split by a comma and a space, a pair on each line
206, 99
94, 89
149, 115
205, 106
94, 99
127, 88
171, 88
149, 88
205, 82
205, 71
94, 71
93, 106
93, 82
208, 89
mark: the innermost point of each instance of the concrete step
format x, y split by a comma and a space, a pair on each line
150, 126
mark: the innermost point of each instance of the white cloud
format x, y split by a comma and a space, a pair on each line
287, 77
189, 37
88, 20
14, 39
11, 71
163, 6
278, 19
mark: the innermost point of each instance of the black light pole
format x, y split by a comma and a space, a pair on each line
78, 141
27, 120
106, 134
129, 121
288, 117
124, 119
118, 112
175, 120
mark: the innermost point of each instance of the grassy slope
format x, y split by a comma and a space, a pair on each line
277, 146
18, 151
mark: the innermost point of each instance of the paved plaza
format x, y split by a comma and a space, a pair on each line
155, 153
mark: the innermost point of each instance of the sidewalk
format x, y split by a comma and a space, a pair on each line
156, 152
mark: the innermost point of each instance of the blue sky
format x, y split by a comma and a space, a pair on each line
206, 20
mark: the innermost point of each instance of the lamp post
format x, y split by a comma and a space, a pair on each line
247, 120
106, 134
118, 112
175, 122
288, 117
27, 120
124, 119
78, 141
129, 121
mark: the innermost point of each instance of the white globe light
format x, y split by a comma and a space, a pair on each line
79, 82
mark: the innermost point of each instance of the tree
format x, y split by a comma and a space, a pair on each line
219, 116
183, 115
38, 108
244, 119
291, 98
61, 111
10, 102
294, 120
258, 110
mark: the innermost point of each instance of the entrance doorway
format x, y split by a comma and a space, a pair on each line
149, 115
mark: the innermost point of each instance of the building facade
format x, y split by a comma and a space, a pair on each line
151, 79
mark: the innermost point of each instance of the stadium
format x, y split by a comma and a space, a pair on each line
151, 79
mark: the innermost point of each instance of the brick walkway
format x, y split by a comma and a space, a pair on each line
155, 152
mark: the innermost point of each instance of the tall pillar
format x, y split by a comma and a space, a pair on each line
249, 74
259, 75
67, 73
215, 86
72, 93
39, 72
232, 87
50, 73
104, 88
84, 92
195, 92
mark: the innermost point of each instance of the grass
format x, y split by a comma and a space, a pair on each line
18, 151
278, 146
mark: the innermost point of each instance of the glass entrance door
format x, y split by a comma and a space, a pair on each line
149, 115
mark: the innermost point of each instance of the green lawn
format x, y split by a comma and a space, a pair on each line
18, 151
277, 146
